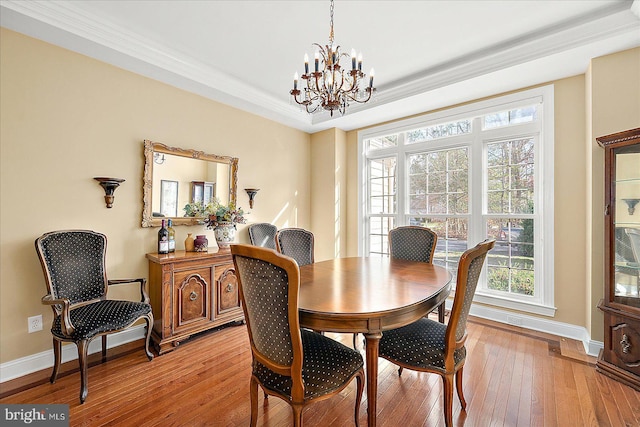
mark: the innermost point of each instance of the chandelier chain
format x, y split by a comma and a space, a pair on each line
331, 24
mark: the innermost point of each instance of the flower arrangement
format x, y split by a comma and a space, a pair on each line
215, 212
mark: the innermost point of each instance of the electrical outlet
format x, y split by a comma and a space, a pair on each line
35, 323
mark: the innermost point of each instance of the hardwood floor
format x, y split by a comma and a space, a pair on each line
513, 377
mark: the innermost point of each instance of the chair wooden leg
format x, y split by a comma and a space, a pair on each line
149, 320
399, 370
57, 349
360, 385
447, 382
253, 385
83, 348
297, 414
463, 402
104, 348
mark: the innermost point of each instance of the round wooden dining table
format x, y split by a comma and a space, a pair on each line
369, 296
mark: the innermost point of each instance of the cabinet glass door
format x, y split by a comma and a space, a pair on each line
626, 192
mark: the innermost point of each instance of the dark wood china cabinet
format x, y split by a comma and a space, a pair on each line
620, 357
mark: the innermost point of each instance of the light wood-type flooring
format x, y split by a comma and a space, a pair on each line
513, 377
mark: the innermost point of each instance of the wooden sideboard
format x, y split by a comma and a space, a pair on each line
191, 292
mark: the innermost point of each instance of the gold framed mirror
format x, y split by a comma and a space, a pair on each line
176, 176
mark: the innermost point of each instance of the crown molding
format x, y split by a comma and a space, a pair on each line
64, 24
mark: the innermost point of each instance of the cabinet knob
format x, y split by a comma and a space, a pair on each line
229, 287
193, 295
625, 344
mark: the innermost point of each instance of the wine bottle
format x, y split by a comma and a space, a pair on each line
163, 239
172, 237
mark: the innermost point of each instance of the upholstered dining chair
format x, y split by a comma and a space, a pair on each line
294, 364
414, 243
73, 262
263, 234
430, 346
296, 243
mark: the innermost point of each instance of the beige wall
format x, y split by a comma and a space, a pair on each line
329, 189
65, 119
613, 83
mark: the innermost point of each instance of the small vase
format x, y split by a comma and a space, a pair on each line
201, 244
189, 243
225, 233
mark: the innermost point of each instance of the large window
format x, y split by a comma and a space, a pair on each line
478, 171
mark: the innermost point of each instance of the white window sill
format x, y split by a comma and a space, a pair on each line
524, 306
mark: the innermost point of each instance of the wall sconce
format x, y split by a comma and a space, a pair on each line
631, 204
252, 194
158, 159
109, 185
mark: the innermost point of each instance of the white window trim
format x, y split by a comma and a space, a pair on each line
543, 305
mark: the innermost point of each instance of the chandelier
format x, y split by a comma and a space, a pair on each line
332, 87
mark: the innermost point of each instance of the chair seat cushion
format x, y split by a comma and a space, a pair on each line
419, 345
99, 317
327, 366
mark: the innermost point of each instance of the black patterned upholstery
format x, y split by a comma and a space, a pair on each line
412, 243
420, 344
73, 262
296, 365
327, 365
263, 234
431, 346
101, 317
296, 243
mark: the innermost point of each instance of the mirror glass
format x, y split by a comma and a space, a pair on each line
175, 176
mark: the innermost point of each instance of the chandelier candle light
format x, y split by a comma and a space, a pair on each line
332, 88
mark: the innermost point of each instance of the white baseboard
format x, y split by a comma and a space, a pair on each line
539, 324
37, 362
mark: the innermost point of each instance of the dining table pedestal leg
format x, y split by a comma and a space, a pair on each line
372, 342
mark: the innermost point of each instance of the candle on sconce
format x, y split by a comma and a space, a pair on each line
371, 74
353, 59
306, 63
317, 60
360, 61
295, 81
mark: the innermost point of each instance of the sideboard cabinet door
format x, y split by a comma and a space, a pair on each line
228, 293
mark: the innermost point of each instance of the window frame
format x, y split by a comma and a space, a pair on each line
542, 129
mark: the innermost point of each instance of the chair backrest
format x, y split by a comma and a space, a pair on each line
634, 239
469, 268
296, 243
269, 285
412, 243
263, 234
73, 262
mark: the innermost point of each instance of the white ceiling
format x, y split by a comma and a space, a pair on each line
426, 54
